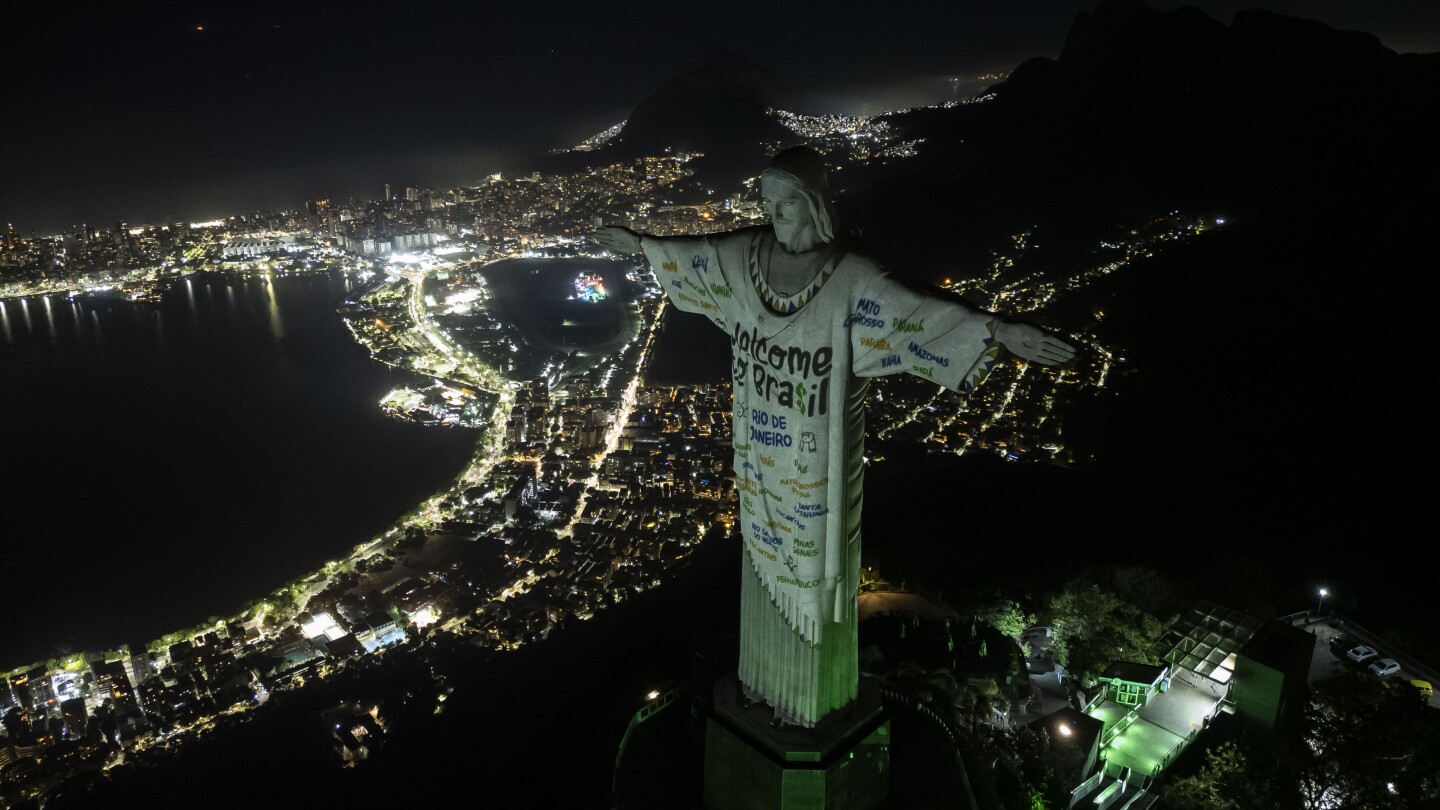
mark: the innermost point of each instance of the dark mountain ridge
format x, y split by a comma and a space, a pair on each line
718, 109
1147, 111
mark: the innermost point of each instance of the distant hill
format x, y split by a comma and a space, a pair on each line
718, 109
1147, 111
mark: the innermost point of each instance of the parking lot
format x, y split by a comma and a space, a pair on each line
1332, 644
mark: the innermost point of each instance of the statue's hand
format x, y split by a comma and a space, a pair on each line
1030, 343
616, 239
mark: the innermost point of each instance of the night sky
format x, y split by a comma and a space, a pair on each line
133, 112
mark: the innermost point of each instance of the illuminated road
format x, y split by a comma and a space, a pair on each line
475, 372
612, 437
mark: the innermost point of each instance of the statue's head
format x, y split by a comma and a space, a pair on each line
797, 197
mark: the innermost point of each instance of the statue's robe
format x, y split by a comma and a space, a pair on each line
801, 366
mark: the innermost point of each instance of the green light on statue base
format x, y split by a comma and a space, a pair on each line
842, 764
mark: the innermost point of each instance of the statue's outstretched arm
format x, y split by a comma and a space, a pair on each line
895, 328
623, 241
616, 239
1032, 343
687, 268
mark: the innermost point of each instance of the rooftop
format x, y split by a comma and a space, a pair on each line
1279, 646
1067, 726
1204, 638
1133, 672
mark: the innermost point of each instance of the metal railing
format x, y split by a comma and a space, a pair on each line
645, 712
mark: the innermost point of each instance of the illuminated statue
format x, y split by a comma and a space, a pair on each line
809, 324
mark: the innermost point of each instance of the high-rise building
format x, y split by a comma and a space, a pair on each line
592, 433
137, 663
387, 192
151, 696
72, 711
112, 682
32, 689
515, 428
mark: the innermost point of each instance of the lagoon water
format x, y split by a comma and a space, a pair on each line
163, 463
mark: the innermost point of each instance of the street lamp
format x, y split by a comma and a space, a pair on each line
1319, 607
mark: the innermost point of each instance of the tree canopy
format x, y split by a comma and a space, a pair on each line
1227, 782
1095, 628
1370, 743
1007, 617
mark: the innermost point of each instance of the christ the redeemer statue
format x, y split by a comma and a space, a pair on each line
809, 323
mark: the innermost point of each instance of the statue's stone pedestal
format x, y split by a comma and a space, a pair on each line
842, 763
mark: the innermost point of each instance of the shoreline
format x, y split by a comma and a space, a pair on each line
426, 513
311, 581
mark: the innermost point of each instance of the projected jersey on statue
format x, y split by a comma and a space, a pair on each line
809, 323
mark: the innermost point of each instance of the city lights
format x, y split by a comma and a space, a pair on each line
583, 482
590, 288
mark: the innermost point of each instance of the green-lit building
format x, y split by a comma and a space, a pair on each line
1270, 686
1211, 660
1259, 668
1132, 684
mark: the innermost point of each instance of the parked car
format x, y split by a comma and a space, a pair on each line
1385, 667
1361, 654
1426, 690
